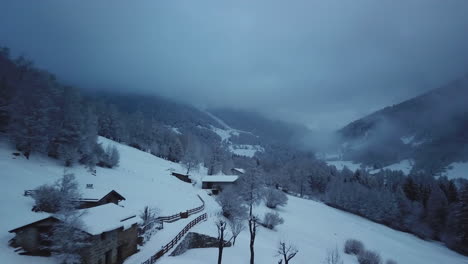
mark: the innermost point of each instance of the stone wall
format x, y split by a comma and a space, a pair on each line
100, 245
196, 240
128, 240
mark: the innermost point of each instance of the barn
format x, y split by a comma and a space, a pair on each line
218, 182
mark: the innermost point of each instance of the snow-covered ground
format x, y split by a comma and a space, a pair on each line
145, 180
340, 164
246, 150
314, 228
141, 178
405, 166
457, 170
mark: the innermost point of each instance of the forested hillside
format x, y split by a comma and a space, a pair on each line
431, 129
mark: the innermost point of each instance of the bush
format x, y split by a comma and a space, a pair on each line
109, 158
353, 247
271, 220
275, 198
46, 199
369, 257
391, 261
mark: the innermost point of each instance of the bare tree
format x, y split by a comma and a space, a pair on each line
253, 224
237, 226
286, 252
333, 257
149, 216
221, 225
251, 186
192, 153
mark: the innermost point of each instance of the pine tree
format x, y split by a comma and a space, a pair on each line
437, 208
461, 215
411, 189
30, 119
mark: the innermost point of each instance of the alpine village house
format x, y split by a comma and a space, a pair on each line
112, 230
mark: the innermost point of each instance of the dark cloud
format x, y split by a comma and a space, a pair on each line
321, 63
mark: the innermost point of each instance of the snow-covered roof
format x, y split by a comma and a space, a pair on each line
239, 170
99, 219
107, 217
220, 178
96, 194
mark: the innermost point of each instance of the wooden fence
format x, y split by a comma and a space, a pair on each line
175, 217
176, 239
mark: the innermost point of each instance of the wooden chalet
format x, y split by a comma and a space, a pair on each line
94, 197
111, 229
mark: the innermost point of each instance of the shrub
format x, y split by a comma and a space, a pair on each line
369, 257
271, 220
109, 158
391, 261
46, 199
353, 247
275, 198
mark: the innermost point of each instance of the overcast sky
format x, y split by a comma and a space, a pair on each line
322, 63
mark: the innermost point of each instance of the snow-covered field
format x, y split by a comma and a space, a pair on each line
141, 178
314, 228
145, 180
246, 150
405, 166
457, 170
340, 164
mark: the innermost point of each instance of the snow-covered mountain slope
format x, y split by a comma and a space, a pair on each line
246, 150
430, 129
315, 228
405, 166
145, 180
141, 178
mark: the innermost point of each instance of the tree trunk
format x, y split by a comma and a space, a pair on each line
220, 250
252, 229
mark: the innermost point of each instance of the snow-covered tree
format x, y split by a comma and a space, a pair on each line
67, 237
231, 204
251, 187
192, 153
437, 208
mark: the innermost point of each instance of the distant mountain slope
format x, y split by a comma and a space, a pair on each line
164, 110
431, 129
271, 131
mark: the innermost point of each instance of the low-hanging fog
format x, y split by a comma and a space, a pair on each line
316, 62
